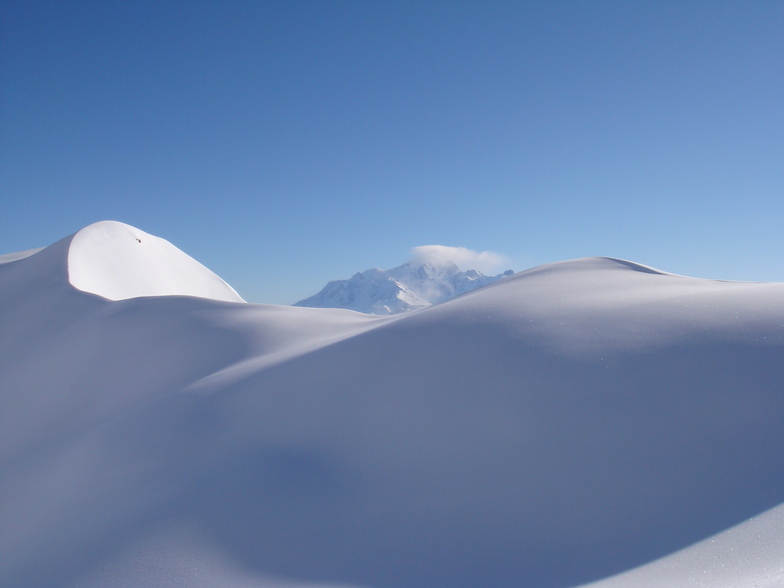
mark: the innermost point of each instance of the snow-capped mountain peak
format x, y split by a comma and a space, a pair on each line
404, 288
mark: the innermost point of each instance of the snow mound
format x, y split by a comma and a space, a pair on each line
117, 261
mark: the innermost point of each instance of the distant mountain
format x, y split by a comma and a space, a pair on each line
401, 289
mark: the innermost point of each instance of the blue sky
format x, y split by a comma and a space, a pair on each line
284, 144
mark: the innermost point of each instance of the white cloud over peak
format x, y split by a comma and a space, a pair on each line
465, 259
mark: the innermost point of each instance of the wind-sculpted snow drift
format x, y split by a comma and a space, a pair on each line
562, 425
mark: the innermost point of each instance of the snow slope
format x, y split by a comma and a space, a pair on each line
746, 556
562, 425
117, 261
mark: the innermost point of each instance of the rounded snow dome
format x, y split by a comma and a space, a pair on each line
118, 261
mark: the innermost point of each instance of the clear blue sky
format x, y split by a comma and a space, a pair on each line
284, 144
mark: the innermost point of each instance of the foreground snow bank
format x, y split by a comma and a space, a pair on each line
749, 555
560, 426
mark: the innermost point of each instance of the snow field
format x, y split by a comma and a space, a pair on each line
558, 427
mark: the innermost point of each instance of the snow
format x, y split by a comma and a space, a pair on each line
117, 261
408, 287
9, 257
371, 292
558, 427
749, 555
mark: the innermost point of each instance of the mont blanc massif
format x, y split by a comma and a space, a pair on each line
593, 422
410, 286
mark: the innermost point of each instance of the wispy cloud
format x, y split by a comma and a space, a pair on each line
465, 259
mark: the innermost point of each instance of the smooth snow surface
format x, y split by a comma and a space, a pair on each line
749, 555
9, 257
117, 261
563, 425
